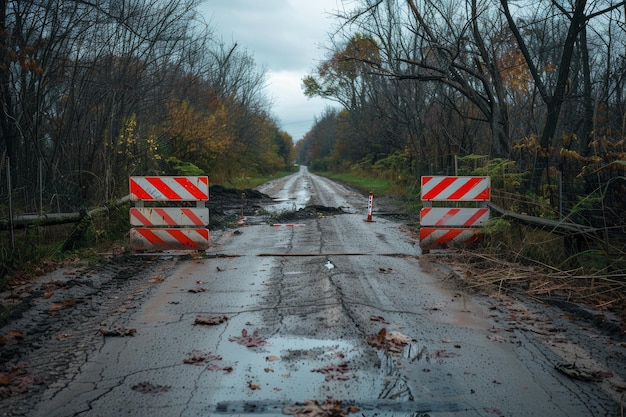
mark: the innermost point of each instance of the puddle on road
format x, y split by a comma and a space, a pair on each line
281, 205
284, 368
290, 370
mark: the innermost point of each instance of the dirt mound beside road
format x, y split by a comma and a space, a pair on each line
226, 205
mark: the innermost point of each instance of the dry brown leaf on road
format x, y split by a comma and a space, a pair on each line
389, 341
148, 388
246, 340
118, 332
196, 357
60, 305
210, 320
336, 372
442, 353
379, 318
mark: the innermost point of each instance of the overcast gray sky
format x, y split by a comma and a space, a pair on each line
286, 37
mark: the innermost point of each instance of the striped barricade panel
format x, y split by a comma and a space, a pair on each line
453, 217
169, 216
436, 188
144, 238
169, 228
169, 188
440, 238
443, 227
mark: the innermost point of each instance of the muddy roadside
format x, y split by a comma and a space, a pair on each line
56, 321
51, 323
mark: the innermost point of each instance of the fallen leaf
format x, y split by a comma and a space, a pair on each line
156, 280
336, 372
148, 388
393, 342
15, 334
442, 353
18, 381
118, 332
378, 318
196, 357
62, 304
272, 358
210, 320
253, 387
246, 340
5, 379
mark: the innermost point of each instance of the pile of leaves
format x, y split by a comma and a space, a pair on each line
18, 381
486, 272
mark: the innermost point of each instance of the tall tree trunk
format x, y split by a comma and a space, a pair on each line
555, 100
7, 132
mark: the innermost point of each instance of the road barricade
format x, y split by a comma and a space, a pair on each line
157, 228
442, 227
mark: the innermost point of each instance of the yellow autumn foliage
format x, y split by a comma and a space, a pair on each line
199, 136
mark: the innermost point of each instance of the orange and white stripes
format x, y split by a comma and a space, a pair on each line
441, 227
169, 228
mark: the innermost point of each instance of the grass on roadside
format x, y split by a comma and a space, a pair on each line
380, 187
253, 182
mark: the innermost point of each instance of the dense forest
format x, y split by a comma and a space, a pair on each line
93, 91
531, 93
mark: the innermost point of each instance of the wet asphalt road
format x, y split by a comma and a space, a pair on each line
311, 300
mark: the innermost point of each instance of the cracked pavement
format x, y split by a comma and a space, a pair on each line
307, 328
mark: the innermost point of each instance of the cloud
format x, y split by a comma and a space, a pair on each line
285, 37
282, 34
295, 111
